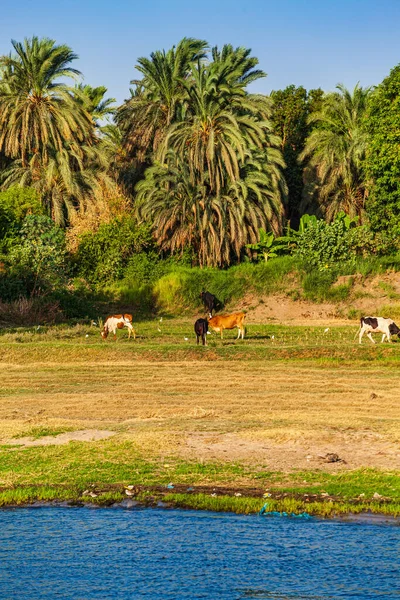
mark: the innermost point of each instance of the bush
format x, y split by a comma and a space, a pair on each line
15, 204
37, 261
145, 268
323, 246
20, 202
103, 256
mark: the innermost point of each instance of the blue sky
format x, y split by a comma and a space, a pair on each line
314, 43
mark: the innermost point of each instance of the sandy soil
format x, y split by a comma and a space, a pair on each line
296, 455
368, 296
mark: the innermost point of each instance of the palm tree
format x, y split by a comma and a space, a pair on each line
68, 182
184, 212
48, 134
38, 112
222, 121
157, 99
335, 151
93, 101
217, 176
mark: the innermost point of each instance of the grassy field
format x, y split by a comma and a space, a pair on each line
237, 423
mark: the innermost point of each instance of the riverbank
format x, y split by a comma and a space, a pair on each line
216, 499
299, 417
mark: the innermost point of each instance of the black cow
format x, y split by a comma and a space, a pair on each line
200, 329
210, 302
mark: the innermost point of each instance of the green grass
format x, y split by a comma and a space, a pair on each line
40, 431
166, 339
65, 472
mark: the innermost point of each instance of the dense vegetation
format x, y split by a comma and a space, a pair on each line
193, 170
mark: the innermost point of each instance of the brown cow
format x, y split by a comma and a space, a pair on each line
221, 322
118, 322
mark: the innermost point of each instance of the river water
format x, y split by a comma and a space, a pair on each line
83, 553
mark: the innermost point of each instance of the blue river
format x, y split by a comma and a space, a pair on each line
82, 553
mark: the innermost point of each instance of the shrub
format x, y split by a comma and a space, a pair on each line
145, 268
20, 202
103, 256
37, 261
323, 246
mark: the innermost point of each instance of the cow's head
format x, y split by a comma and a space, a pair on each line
104, 333
394, 330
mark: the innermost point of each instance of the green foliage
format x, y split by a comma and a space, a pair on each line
15, 204
291, 109
335, 151
316, 285
20, 202
47, 134
104, 256
324, 246
383, 158
267, 246
39, 259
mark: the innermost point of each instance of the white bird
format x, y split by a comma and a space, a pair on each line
272, 337
208, 332
158, 329
326, 330
186, 339
161, 320
87, 335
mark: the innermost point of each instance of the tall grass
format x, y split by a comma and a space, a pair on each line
181, 287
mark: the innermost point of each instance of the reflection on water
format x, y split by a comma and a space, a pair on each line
83, 553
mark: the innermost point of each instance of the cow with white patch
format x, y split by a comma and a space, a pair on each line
118, 322
382, 325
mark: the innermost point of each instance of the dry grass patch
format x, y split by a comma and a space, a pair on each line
288, 406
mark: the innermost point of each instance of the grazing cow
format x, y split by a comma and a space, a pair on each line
200, 329
118, 322
221, 322
377, 325
210, 302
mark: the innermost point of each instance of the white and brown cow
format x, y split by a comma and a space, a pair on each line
118, 322
370, 325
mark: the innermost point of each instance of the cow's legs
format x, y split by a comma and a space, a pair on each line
386, 335
243, 330
203, 337
360, 336
131, 331
370, 337
239, 332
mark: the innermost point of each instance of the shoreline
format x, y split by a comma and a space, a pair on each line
209, 498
